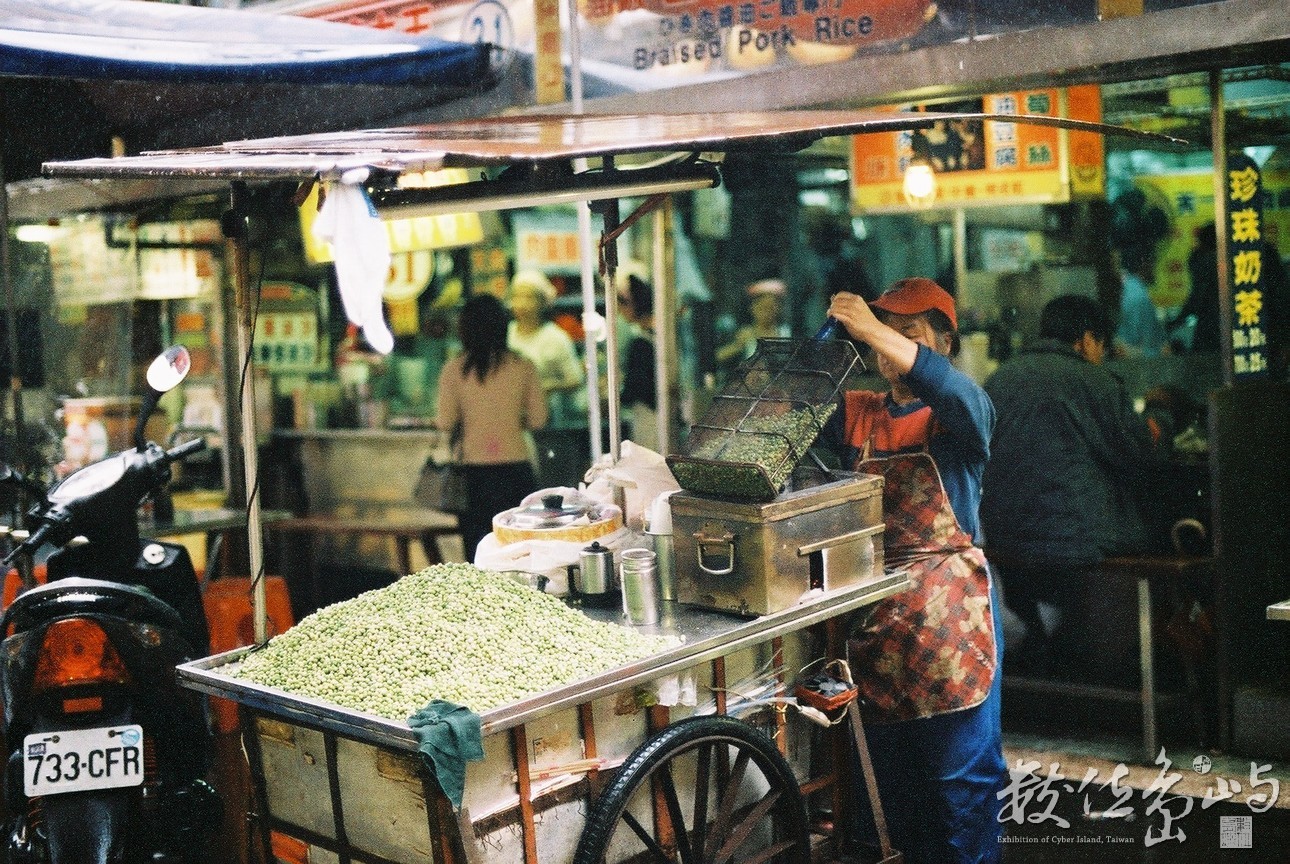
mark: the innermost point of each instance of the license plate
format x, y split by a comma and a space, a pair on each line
79, 760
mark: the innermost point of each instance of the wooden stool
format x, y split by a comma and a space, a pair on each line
1161, 569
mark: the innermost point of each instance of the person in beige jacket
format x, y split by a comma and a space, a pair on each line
494, 395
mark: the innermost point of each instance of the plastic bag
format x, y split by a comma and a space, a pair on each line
640, 472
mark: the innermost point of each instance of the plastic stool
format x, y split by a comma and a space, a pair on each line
227, 602
12, 582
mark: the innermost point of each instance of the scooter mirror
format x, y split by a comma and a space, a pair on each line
169, 369
164, 374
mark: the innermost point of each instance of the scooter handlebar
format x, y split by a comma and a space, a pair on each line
186, 449
31, 544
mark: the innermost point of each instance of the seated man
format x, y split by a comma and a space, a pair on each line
1068, 459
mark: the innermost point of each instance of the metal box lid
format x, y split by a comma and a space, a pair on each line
843, 486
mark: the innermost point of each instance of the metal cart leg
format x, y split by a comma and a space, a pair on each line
1146, 659
889, 855
257, 819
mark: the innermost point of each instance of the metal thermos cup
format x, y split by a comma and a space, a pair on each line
639, 574
665, 561
595, 573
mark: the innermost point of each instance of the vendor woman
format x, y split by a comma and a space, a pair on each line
927, 660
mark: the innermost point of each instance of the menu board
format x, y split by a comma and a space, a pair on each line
1246, 249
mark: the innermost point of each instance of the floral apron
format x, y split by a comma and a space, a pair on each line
930, 649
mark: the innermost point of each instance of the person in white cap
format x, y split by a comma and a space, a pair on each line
549, 347
766, 306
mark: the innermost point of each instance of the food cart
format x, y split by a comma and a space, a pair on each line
622, 765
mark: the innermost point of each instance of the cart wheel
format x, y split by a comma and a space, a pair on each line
729, 795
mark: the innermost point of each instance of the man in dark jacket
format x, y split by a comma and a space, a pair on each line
1068, 457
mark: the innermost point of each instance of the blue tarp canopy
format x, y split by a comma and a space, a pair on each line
126, 40
76, 73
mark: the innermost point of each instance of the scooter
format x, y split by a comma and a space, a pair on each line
107, 755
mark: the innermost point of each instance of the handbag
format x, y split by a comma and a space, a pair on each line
442, 483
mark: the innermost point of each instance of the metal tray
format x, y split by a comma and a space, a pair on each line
706, 635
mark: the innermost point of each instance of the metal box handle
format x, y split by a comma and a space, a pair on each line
704, 541
803, 551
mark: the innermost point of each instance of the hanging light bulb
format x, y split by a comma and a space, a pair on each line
920, 182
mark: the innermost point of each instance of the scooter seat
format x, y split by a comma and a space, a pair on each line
78, 595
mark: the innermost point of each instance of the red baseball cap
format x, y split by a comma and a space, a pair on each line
916, 295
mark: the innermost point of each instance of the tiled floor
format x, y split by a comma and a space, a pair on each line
1082, 791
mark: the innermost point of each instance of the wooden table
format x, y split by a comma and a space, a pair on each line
426, 528
216, 524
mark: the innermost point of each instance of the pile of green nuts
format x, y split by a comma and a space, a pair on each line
774, 443
473, 637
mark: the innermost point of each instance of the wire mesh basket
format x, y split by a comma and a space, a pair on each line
764, 419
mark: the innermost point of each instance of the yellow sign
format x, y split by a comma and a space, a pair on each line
1276, 212
406, 235
979, 163
1187, 200
547, 62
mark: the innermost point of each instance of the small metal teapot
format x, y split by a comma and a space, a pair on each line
592, 578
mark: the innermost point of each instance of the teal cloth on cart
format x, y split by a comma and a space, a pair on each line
449, 737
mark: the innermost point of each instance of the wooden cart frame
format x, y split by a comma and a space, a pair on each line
353, 786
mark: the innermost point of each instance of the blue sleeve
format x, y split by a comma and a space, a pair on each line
963, 409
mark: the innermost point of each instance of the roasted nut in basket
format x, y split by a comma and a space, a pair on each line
753, 460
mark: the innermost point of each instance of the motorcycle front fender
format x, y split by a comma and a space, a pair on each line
88, 827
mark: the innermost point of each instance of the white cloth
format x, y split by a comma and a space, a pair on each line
361, 251
549, 558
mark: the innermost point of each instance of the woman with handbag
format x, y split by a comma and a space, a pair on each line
495, 396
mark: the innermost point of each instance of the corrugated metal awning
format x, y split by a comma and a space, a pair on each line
524, 139
129, 41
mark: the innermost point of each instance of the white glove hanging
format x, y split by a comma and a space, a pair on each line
361, 250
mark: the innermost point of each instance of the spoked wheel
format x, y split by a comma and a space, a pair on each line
705, 790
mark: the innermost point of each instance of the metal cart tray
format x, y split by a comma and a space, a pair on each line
351, 785
706, 634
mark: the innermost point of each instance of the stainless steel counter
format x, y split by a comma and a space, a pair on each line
706, 635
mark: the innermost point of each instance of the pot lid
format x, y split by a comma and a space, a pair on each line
551, 511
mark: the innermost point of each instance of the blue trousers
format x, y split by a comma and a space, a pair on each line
939, 778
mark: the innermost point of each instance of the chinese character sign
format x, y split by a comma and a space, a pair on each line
986, 162
1107, 808
1245, 250
287, 334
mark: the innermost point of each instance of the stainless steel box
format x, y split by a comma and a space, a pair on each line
757, 558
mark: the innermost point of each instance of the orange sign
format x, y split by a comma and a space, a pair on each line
548, 65
835, 22
987, 162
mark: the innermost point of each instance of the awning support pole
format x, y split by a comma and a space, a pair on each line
235, 233
608, 267
665, 318
18, 458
